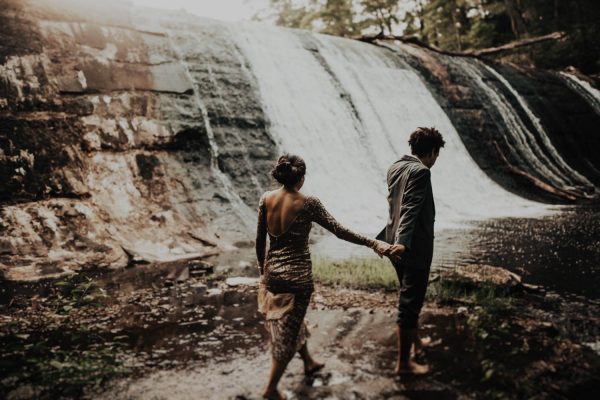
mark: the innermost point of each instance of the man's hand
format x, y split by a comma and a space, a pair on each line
395, 251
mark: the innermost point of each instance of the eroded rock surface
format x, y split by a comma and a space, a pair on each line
119, 137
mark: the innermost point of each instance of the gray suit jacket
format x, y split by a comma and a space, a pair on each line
411, 211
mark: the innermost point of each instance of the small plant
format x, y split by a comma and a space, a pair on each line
60, 363
77, 291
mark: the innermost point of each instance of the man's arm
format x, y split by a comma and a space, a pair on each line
412, 203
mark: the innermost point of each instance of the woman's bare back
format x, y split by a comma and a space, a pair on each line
283, 207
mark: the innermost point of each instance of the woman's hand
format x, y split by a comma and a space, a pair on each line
381, 248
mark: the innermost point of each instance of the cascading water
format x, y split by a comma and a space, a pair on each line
349, 138
533, 150
591, 94
542, 150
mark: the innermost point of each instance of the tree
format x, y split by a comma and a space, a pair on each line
460, 25
382, 14
415, 21
445, 23
338, 18
294, 13
517, 23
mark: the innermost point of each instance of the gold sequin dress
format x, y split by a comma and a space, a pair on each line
287, 276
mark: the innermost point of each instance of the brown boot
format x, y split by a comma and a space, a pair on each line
404, 365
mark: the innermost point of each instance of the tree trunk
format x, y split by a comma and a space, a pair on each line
389, 22
421, 14
380, 21
516, 19
556, 17
455, 25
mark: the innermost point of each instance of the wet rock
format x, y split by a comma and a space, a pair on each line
199, 268
478, 274
199, 288
241, 280
213, 292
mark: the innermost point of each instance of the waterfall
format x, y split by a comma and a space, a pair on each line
348, 109
587, 91
536, 151
546, 146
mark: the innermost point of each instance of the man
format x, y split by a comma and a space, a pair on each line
410, 231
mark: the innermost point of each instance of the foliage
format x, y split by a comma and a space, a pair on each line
382, 14
338, 18
459, 25
58, 364
294, 13
77, 291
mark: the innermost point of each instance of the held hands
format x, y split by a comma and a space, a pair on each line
381, 248
393, 252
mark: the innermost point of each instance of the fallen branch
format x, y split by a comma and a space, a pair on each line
554, 36
565, 194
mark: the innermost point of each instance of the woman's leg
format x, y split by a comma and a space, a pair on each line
277, 369
285, 336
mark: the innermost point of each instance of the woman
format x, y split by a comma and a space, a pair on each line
286, 216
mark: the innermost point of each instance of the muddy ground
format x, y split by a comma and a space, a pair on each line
180, 332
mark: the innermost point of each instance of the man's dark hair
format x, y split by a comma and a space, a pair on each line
423, 140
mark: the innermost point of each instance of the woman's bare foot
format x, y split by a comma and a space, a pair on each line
313, 367
273, 395
411, 368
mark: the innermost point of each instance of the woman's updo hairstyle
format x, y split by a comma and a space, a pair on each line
289, 170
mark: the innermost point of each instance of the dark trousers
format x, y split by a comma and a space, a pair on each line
413, 285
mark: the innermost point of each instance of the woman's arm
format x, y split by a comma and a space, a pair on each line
322, 217
261, 235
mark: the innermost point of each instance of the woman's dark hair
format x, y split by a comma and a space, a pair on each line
423, 140
289, 169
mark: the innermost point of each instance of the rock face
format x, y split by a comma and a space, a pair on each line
135, 131
115, 136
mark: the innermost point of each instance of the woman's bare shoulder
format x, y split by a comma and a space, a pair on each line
269, 194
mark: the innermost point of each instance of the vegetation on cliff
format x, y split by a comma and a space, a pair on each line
459, 25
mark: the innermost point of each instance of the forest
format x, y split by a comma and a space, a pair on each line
459, 25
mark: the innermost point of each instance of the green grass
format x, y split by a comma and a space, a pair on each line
447, 289
356, 273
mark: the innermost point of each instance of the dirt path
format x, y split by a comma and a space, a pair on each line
357, 345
